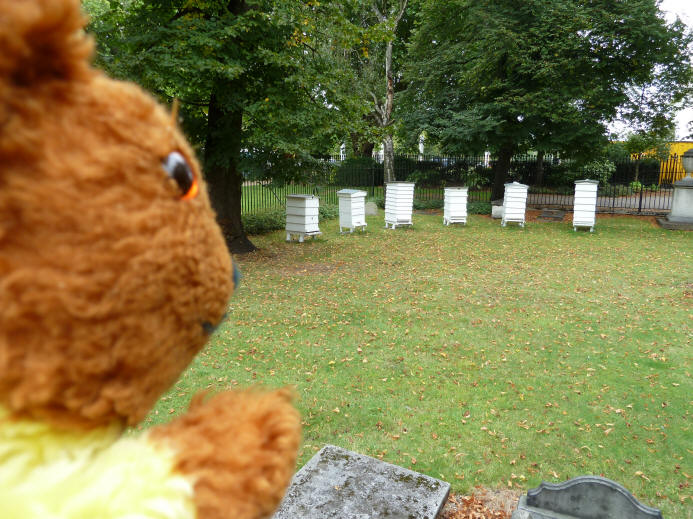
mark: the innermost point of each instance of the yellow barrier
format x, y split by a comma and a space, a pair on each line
672, 170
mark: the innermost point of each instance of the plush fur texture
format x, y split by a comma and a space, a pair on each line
108, 278
244, 476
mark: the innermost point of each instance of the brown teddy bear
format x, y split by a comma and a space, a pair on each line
113, 273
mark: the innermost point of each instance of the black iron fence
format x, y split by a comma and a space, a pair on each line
628, 186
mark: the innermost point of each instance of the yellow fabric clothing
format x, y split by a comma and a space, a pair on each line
50, 474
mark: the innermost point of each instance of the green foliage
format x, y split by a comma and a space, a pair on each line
635, 186
328, 211
425, 205
601, 170
262, 222
250, 76
424, 178
508, 75
477, 177
359, 172
648, 144
282, 168
616, 152
265, 221
479, 207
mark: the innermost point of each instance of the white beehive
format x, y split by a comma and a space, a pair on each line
352, 209
514, 203
455, 209
302, 216
399, 201
585, 205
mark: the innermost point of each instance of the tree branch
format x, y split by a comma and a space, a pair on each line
380, 15
402, 7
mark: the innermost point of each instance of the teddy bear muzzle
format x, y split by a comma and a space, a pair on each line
208, 327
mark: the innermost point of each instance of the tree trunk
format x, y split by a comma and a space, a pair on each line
501, 168
385, 111
388, 145
366, 149
637, 167
222, 153
360, 146
388, 159
540, 168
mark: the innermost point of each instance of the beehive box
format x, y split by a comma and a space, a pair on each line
514, 203
455, 208
399, 201
302, 216
352, 209
585, 205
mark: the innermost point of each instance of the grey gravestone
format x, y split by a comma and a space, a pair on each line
584, 497
340, 483
371, 209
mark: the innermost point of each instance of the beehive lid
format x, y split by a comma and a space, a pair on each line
399, 183
587, 181
516, 185
302, 197
350, 192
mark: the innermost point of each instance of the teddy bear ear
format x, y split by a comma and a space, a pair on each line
42, 40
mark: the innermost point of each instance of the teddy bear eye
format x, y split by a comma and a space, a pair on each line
178, 169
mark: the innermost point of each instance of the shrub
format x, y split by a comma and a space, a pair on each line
275, 219
328, 211
479, 207
359, 172
422, 205
635, 186
429, 177
266, 221
601, 170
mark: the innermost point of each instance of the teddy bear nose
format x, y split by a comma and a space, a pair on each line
236, 276
208, 327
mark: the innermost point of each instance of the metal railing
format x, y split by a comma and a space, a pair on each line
554, 187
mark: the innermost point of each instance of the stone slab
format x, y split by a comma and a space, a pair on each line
665, 223
371, 209
340, 483
584, 497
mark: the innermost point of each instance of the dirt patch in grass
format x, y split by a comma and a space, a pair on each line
484, 503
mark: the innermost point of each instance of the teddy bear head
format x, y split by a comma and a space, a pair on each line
113, 271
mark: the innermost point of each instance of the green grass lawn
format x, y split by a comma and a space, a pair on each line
480, 355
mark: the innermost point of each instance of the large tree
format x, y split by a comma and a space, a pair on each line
250, 78
507, 75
